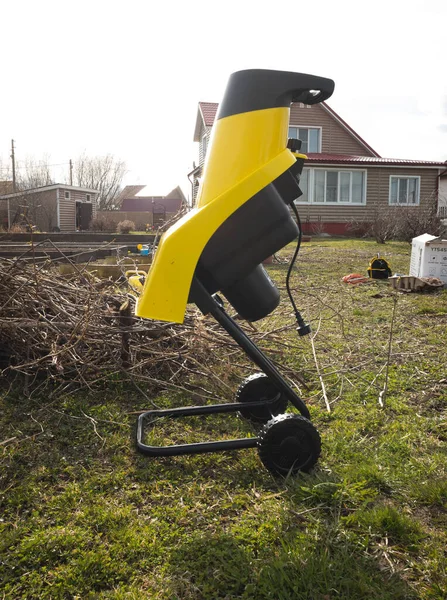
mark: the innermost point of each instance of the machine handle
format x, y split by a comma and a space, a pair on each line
258, 89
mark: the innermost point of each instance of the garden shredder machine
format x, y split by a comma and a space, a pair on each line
243, 215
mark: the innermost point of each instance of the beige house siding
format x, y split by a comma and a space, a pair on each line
203, 131
67, 211
334, 138
377, 195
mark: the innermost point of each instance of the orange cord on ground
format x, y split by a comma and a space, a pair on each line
355, 278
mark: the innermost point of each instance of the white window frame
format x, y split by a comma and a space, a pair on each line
418, 179
88, 197
310, 127
67, 197
311, 187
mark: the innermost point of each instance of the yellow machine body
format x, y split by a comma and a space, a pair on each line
247, 151
250, 177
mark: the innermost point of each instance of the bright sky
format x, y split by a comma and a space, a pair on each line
125, 77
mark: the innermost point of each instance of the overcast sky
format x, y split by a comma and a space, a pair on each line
125, 77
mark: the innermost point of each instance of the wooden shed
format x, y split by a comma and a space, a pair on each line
56, 207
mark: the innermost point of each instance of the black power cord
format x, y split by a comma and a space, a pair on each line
303, 328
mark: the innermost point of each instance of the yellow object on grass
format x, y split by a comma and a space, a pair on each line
136, 279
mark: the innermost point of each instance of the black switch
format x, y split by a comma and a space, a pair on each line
294, 145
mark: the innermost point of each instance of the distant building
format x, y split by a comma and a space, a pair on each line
154, 210
56, 207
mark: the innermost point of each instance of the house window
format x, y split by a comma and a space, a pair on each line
309, 136
304, 186
320, 186
88, 198
204, 145
404, 190
67, 195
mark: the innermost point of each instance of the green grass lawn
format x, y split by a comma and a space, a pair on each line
84, 516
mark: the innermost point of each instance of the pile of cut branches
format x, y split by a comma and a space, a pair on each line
65, 333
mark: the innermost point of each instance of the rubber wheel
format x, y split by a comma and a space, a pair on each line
259, 387
288, 444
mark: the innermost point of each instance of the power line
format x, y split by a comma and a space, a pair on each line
33, 166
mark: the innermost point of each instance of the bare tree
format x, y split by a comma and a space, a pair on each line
33, 174
102, 173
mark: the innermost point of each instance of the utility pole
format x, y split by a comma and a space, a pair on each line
14, 186
71, 172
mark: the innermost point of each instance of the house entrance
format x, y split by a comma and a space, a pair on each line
83, 215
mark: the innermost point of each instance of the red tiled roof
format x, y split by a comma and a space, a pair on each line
208, 110
371, 160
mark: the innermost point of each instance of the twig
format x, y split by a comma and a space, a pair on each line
4, 442
323, 387
383, 393
93, 422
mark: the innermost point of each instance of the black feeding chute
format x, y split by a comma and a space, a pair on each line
258, 89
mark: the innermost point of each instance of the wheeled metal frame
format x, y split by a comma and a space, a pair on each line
211, 304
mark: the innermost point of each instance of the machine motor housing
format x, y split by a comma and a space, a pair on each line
231, 260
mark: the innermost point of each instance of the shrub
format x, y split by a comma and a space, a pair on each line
102, 224
317, 228
125, 226
16, 228
412, 222
398, 223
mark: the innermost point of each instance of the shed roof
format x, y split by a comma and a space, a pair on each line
46, 188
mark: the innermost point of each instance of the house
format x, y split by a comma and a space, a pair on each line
138, 205
56, 207
344, 180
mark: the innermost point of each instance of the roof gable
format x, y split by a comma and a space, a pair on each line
206, 113
128, 192
137, 199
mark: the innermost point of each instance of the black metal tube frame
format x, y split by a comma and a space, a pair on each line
208, 303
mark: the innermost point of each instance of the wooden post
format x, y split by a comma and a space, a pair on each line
125, 321
13, 158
